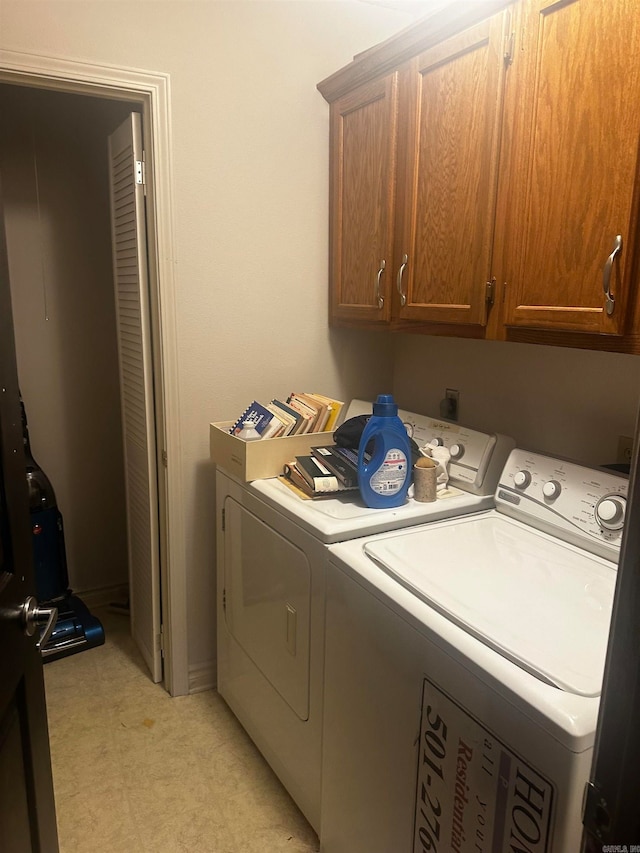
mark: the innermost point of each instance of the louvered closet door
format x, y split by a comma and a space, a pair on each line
136, 386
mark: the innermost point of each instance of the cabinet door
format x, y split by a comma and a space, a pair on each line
575, 166
363, 147
452, 95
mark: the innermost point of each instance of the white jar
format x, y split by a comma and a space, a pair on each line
248, 431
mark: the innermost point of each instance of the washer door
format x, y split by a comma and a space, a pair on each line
268, 602
541, 603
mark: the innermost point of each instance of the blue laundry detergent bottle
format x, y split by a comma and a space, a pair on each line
385, 478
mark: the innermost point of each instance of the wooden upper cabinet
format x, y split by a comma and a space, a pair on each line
492, 142
574, 169
363, 162
451, 106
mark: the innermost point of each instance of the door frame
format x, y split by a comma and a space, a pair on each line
152, 91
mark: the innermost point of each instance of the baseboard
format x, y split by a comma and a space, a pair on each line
202, 676
104, 596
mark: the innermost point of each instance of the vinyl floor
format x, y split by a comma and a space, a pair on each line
138, 771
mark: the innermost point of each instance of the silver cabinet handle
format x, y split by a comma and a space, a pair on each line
403, 298
610, 301
33, 616
378, 295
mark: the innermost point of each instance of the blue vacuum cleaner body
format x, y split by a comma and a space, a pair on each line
49, 556
76, 629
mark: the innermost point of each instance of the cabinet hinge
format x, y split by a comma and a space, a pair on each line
224, 600
165, 458
509, 46
490, 291
596, 816
139, 171
160, 641
223, 520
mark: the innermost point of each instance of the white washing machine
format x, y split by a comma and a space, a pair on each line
463, 668
271, 560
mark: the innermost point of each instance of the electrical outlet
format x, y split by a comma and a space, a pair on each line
625, 449
449, 406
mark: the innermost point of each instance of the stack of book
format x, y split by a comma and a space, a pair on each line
326, 471
301, 413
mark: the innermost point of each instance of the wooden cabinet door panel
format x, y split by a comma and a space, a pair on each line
576, 164
363, 150
454, 95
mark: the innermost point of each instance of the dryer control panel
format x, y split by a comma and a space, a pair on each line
583, 506
476, 457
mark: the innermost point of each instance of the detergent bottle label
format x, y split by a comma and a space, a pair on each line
391, 475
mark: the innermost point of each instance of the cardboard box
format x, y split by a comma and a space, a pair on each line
258, 460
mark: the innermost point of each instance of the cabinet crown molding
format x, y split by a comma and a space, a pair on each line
434, 28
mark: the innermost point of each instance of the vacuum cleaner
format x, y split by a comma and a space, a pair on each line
76, 629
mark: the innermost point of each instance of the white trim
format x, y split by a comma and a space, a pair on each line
202, 676
153, 90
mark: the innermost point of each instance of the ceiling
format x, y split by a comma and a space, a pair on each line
411, 6
415, 8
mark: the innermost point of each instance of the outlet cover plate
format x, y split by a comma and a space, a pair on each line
625, 449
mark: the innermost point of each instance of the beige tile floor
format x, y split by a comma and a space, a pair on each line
138, 771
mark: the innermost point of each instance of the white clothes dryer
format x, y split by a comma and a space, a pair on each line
463, 669
271, 562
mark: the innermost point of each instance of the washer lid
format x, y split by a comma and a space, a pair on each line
542, 604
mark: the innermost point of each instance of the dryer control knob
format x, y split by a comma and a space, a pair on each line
436, 442
456, 451
551, 489
522, 479
610, 512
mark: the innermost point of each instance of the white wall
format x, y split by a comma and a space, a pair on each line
250, 157
568, 402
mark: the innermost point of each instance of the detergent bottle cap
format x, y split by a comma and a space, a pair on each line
385, 406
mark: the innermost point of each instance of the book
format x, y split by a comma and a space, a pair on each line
286, 421
261, 418
303, 494
350, 455
292, 474
340, 466
274, 429
302, 413
317, 475
308, 414
334, 407
297, 417
306, 475
321, 407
